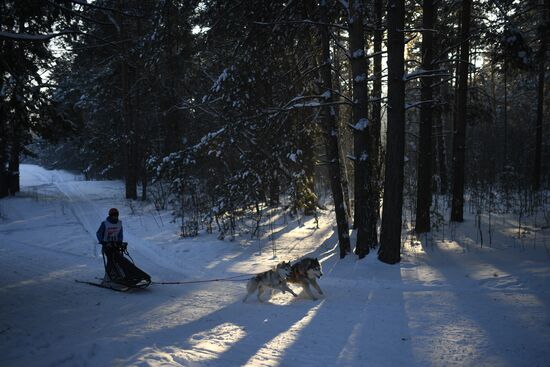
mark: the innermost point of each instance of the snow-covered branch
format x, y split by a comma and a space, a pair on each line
95, 6
35, 37
418, 30
421, 73
361, 125
313, 101
408, 106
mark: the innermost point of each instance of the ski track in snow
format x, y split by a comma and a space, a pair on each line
448, 303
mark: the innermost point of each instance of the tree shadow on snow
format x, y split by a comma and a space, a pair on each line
497, 315
360, 321
229, 336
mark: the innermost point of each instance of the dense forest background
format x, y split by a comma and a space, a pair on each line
227, 111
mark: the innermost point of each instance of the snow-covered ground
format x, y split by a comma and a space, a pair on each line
450, 302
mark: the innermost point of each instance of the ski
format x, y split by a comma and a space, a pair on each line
100, 285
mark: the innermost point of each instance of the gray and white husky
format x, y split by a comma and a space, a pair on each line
305, 272
273, 279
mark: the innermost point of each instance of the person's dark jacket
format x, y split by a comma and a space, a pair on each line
100, 234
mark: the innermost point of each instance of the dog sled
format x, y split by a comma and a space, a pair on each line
121, 273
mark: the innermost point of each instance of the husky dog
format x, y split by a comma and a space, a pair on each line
274, 279
305, 272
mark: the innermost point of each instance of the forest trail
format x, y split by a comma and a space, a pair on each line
447, 303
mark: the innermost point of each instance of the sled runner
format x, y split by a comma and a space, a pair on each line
121, 273
114, 286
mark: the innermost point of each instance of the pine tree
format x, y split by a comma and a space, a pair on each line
459, 138
425, 158
26, 31
390, 235
544, 29
329, 121
365, 179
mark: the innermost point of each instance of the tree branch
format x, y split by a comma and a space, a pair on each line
305, 21
34, 37
91, 5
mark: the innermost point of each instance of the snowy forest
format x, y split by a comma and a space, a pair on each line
393, 125
219, 109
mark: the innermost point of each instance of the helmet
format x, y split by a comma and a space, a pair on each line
113, 212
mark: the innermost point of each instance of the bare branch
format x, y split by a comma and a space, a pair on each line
305, 21
418, 104
75, 13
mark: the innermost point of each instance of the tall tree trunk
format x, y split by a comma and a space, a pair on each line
377, 83
341, 135
505, 117
144, 180
13, 167
172, 117
441, 152
444, 120
329, 119
17, 125
308, 160
15, 147
459, 141
4, 182
130, 172
304, 185
390, 236
540, 96
424, 182
360, 127
274, 192
308, 136
140, 141
376, 120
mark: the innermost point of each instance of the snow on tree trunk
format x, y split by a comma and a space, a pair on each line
329, 119
362, 135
